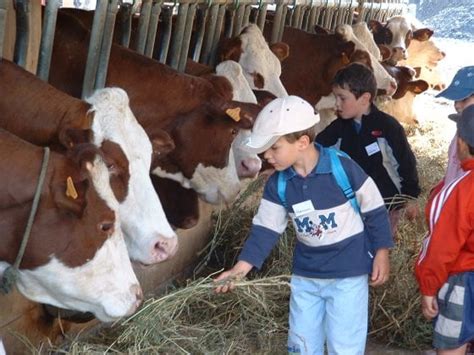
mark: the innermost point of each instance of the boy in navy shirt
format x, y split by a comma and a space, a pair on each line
337, 245
374, 139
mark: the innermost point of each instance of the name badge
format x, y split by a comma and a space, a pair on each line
303, 208
373, 148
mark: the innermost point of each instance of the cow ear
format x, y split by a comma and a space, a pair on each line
418, 86
70, 196
375, 26
423, 34
230, 49
161, 143
385, 52
70, 137
281, 50
264, 97
319, 30
243, 113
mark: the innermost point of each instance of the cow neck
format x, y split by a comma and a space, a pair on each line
34, 110
10, 275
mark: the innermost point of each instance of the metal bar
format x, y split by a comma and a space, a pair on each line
209, 35
3, 21
94, 48
124, 17
277, 22
152, 28
47, 38
143, 24
246, 19
166, 27
238, 20
201, 17
217, 35
183, 56
106, 44
262, 14
282, 23
178, 34
22, 32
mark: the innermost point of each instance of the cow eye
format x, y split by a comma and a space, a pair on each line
234, 131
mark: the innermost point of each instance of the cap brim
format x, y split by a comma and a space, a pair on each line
454, 117
259, 144
456, 94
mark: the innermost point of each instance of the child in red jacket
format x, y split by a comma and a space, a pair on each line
445, 266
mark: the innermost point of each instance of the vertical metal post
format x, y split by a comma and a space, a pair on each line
94, 48
178, 34
262, 14
143, 24
277, 22
238, 19
246, 19
106, 44
152, 27
282, 23
47, 38
3, 21
183, 56
22, 32
124, 17
209, 37
166, 27
201, 18
217, 34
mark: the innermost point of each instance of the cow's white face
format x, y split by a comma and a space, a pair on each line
105, 285
248, 164
214, 185
383, 78
401, 30
258, 59
149, 236
426, 56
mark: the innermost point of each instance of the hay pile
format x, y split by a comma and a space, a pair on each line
190, 318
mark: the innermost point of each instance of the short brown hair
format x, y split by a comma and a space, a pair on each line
358, 79
294, 136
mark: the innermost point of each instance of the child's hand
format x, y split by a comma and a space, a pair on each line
224, 280
429, 307
381, 268
412, 210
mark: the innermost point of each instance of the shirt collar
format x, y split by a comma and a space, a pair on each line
467, 164
322, 167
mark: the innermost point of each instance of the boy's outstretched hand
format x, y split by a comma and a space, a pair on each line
381, 268
224, 282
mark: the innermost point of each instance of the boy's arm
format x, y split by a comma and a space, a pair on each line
329, 136
406, 160
268, 224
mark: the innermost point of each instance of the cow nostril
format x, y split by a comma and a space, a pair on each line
107, 227
244, 166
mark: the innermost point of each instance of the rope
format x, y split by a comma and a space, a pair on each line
10, 275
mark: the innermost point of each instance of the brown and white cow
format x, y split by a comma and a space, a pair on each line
323, 55
194, 111
396, 34
400, 105
76, 256
426, 55
43, 115
261, 63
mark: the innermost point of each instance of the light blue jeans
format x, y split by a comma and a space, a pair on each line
331, 310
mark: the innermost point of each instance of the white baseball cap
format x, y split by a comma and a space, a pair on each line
281, 116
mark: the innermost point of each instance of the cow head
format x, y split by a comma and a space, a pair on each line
260, 62
248, 164
205, 161
76, 257
397, 34
150, 238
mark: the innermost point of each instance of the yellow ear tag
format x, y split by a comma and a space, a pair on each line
71, 190
234, 113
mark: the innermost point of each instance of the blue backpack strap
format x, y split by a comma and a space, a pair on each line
341, 177
281, 188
